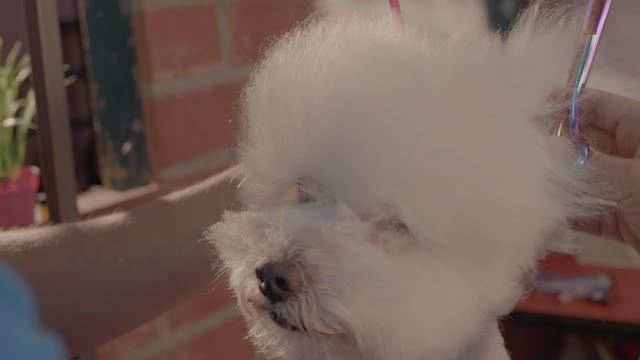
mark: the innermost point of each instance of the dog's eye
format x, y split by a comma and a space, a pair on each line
291, 196
297, 194
308, 191
392, 235
304, 196
391, 224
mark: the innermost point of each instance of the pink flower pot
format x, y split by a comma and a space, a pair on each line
18, 198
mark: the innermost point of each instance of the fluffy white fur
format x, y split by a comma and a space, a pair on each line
436, 124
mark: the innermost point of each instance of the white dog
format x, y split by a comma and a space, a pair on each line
428, 181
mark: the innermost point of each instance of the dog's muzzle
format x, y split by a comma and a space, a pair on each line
278, 281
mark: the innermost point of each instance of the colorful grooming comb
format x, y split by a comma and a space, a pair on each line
596, 16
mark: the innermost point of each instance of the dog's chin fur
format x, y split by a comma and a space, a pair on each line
447, 132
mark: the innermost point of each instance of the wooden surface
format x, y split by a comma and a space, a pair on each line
101, 201
625, 310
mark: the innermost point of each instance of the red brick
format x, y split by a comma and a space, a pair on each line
254, 23
199, 307
191, 124
128, 342
225, 342
176, 42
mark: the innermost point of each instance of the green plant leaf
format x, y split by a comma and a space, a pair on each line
23, 70
9, 68
12, 132
10, 62
15, 106
16, 123
16, 112
70, 80
29, 108
26, 116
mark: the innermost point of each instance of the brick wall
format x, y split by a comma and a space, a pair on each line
194, 56
206, 327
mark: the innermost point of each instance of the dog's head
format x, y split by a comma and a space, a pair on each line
316, 280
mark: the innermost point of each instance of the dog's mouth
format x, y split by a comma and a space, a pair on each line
281, 321
276, 317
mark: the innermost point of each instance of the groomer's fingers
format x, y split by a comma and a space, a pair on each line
606, 226
603, 117
607, 171
621, 183
617, 175
601, 140
606, 223
614, 122
630, 233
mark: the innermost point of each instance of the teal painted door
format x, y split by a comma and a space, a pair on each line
118, 121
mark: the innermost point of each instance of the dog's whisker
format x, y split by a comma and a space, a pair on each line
303, 277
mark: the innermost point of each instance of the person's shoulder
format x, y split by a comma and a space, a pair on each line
21, 336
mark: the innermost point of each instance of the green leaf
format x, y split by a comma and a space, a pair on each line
16, 112
23, 70
13, 55
27, 115
15, 106
29, 108
70, 80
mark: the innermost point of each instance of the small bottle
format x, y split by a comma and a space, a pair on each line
41, 215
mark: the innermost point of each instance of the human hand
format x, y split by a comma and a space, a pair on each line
614, 124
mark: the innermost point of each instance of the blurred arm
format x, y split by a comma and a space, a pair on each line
97, 279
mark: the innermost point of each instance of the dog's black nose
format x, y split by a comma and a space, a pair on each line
278, 281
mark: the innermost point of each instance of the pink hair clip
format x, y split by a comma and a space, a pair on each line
395, 6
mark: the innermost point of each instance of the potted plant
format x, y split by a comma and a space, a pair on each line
18, 183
